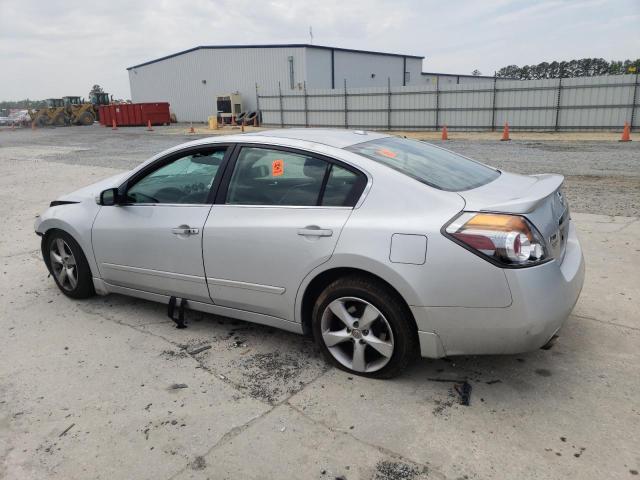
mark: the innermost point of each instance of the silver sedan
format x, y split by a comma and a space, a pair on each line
382, 248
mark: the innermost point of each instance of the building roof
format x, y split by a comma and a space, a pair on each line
284, 45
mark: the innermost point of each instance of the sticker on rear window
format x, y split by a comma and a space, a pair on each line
277, 168
387, 153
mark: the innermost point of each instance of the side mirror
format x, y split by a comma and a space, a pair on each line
108, 197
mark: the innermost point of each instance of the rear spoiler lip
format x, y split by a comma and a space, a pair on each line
545, 186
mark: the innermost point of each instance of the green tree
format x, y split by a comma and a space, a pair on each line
584, 67
95, 89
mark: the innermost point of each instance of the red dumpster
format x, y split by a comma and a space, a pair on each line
158, 113
135, 114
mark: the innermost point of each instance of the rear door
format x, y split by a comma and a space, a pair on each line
278, 215
152, 241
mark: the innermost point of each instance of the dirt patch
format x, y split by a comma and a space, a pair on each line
268, 376
386, 470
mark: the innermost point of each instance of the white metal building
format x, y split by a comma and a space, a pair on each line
191, 80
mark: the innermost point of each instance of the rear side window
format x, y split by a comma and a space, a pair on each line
342, 186
273, 177
266, 176
436, 167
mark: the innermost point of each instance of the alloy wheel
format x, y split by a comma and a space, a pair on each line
63, 264
357, 334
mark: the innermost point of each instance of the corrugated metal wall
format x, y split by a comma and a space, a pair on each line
190, 81
586, 103
179, 80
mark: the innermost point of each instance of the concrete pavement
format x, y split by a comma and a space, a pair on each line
96, 388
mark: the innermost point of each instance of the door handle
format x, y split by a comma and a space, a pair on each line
315, 231
185, 230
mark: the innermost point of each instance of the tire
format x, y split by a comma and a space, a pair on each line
42, 121
392, 330
59, 120
86, 118
250, 116
74, 264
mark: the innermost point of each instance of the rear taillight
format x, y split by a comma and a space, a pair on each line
508, 240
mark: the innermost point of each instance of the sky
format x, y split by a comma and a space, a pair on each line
53, 48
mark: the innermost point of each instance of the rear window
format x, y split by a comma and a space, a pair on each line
427, 163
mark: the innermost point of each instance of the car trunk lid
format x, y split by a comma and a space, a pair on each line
537, 197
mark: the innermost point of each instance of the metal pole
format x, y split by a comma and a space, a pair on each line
257, 105
306, 109
281, 110
346, 111
493, 108
389, 103
557, 126
633, 104
437, 102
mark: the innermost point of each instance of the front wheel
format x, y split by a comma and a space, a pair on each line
68, 265
364, 328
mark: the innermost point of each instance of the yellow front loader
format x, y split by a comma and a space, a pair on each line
53, 114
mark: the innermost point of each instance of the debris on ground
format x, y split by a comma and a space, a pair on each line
386, 470
201, 349
238, 344
464, 390
66, 430
198, 463
491, 382
177, 386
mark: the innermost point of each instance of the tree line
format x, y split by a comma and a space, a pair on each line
584, 67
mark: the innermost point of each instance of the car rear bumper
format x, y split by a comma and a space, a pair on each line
543, 298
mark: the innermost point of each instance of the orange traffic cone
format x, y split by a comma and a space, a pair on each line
445, 133
149, 128
505, 133
626, 133
191, 130
113, 125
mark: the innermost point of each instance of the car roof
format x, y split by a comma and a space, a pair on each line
338, 138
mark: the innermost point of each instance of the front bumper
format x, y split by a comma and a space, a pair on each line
543, 298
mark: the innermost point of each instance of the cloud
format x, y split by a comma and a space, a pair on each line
62, 47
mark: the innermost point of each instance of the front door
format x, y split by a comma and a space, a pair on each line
152, 240
278, 217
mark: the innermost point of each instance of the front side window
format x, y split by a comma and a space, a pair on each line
264, 176
185, 180
436, 167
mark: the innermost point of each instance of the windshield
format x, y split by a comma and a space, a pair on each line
427, 163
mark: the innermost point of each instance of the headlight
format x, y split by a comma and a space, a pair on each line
506, 240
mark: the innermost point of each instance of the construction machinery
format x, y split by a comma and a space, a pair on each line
79, 112
70, 110
52, 114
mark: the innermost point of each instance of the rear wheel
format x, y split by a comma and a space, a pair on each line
68, 265
364, 328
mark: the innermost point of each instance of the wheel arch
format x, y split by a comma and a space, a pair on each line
49, 227
315, 283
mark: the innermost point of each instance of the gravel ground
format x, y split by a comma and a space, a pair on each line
602, 177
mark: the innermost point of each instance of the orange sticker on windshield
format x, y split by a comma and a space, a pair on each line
277, 168
387, 153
